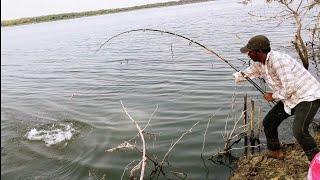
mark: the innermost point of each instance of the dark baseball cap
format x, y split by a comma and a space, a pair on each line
258, 42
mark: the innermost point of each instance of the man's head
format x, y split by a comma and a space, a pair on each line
257, 48
259, 42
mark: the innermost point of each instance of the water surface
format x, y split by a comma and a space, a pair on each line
60, 102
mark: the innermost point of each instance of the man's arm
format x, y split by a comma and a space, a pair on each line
252, 72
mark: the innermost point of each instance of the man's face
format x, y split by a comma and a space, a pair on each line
253, 54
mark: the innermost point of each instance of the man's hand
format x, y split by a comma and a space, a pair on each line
268, 96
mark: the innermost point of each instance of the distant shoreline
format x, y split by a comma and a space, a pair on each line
64, 16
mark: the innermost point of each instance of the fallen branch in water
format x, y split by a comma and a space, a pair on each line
163, 167
158, 167
143, 143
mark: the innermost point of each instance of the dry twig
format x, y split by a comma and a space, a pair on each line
166, 155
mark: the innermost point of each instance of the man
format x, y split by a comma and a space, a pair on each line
294, 89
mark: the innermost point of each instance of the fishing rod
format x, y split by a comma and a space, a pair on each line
191, 41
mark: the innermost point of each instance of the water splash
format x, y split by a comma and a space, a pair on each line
54, 134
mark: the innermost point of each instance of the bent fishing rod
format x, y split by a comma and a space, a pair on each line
191, 41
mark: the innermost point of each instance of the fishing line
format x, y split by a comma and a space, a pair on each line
190, 42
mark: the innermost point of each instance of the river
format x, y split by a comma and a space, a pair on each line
61, 102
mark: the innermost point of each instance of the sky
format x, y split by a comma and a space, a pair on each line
15, 9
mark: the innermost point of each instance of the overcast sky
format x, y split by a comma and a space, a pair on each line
14, 9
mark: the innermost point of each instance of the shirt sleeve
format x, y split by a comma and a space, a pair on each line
252, 72
284, 72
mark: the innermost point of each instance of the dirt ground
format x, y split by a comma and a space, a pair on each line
293, 167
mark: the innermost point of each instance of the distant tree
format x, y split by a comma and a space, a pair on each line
306, 16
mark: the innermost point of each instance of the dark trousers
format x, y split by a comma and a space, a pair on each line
304, 113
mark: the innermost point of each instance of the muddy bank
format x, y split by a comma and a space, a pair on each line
294, 166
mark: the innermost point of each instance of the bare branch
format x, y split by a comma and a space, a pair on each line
134, 169
299, 6
229, 150
298, 10
282, 14
235, 125
166, 155
143, 130
205, 132
122, 146
150, 118
126, 168
143, 142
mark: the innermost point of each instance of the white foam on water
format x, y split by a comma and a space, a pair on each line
54, 135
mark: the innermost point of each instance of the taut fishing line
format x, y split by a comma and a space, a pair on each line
190, 42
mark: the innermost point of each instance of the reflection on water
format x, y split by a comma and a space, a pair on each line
56, 90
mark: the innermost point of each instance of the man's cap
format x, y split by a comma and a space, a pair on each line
258, 42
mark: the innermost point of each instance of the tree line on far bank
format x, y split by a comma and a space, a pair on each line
63, 16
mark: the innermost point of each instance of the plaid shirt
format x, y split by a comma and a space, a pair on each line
289, 81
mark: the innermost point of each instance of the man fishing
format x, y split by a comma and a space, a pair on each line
294, 89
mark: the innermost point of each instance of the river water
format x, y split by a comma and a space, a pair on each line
61, 103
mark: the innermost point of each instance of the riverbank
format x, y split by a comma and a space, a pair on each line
64, 16
294, 166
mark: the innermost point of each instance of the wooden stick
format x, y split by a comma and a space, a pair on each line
245, 123
252, 124
259, 122
259, 127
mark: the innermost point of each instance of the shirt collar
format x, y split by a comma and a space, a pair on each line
268, 55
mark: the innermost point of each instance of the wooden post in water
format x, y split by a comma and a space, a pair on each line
245, 125
252, 125
259, 127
